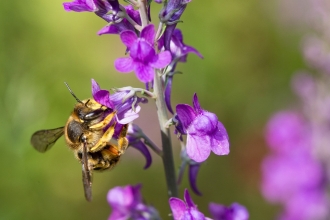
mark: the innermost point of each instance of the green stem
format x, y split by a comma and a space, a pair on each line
167, 157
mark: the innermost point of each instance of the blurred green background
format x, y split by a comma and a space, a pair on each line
249, 58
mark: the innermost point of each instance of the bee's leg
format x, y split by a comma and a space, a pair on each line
104, 159
122, 140
104, 139
104, 122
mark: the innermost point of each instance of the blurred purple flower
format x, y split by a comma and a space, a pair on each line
143, 58
317, 54
307, 205
304, 86
204, 132
287, 132
126, 203
117, 28
285, 175
127, 110
185, 210
233, 212
134, 140
99, 7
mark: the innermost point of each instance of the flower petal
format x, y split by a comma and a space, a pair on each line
220, 141
95, 87
120, 197
167, 93
128, 116
141, 51
188, 49
186, 114
193, 171
204, 124
234, 211
198, 147
178, 207
128, 38
140, 146
164, 58
117, 215
196, 104
102, 97
124, 65
109, 29
187, 198
80, 6
144, 73
148, 33
195, 214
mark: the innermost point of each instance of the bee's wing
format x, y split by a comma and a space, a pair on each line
43, 140
86, 175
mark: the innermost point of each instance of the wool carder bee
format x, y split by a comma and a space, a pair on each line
89, 133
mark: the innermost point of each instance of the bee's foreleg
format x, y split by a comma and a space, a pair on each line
104, 122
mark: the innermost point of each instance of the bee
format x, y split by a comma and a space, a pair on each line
89, 134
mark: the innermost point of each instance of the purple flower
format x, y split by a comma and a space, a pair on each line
143, 58
124, 25
126, 203
316, 54
185, 210
304, 86
99, 7
127, 111
287, 132
233, 212
134, 140
285, 175
204, 132
306, 205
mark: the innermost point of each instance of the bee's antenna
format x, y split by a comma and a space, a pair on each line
78, 100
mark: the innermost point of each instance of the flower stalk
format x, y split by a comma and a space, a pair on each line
167, 157
143, 12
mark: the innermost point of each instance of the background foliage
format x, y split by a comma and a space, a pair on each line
244, 77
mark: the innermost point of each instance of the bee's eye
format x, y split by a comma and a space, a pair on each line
93, 115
